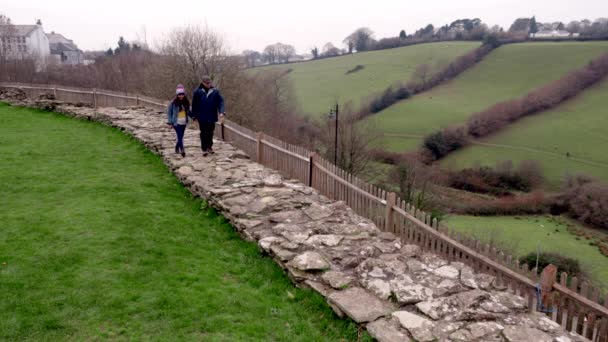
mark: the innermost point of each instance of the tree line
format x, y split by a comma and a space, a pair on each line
363, 38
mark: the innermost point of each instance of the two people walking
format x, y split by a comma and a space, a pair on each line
207, 109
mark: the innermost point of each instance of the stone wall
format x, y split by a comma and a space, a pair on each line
397, 292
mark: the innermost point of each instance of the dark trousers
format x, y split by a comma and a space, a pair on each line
207, 129
180, 130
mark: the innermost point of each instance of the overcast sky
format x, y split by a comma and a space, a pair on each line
250, 24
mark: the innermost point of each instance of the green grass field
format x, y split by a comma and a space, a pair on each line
320, 84
99, 241
566, 140
522, 234
508, 72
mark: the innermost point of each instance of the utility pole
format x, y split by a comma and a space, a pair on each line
336, 138
334, 114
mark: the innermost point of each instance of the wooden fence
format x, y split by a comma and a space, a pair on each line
577, 307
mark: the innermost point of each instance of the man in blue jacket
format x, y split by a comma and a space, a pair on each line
207, 103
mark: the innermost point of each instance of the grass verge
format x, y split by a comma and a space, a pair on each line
100, 241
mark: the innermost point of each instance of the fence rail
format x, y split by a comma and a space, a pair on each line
577, 307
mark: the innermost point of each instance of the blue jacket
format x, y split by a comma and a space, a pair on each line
172, 111
207, 104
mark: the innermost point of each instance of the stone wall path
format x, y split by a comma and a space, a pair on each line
397, 292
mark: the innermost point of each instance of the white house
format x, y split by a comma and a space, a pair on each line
64, 50
553, 34
25, 41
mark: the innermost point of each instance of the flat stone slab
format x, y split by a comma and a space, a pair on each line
309, 261
337, 280
525, 334
384, 331
420, 327
360, 305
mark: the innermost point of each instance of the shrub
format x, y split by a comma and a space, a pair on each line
585, 200
531, 172
388, 97
358, 67
385, 157
530, 204
443, 142
563, 263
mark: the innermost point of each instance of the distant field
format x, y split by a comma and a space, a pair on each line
319, 84
508, 72
523, 235
566, 140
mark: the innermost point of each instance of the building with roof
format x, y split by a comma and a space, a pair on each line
25, 41
550, 33
64, 50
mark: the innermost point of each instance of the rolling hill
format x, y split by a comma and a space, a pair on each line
568, 139
508, 72
320, 83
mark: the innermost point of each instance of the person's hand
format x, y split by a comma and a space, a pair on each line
222, 118
169, 125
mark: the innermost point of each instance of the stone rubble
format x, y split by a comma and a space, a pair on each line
398, 291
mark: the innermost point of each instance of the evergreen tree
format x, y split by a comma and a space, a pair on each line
402, 34
533, 25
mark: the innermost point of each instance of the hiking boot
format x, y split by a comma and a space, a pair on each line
176, 150
205, 153
183, 153
211, 151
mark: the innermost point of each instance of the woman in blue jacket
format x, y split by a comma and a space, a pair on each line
177, 117
207, 103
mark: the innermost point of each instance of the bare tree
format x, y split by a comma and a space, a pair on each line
421, 75
279, 52
355, 140
6, 31
329, 50
286, 51
195, 51
271, 54
251, 57
361, 39
416, 181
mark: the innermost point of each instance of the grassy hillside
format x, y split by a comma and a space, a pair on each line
508, 72
522, 235
568, 139
319, 84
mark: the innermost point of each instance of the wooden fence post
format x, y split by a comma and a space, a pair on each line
137, 100
223, 135
547, 278
55, 91
259, 151
94, 98
390, 201
311, 165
